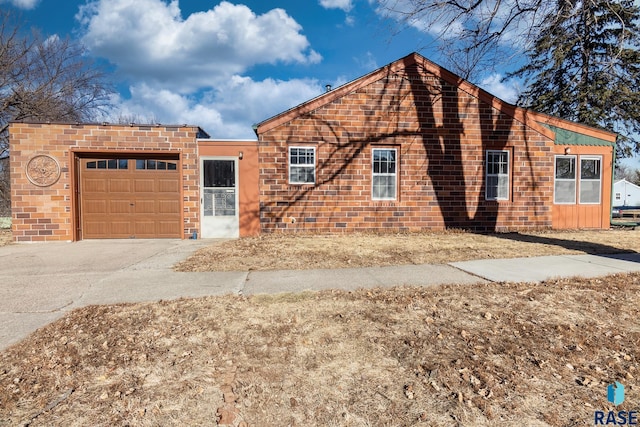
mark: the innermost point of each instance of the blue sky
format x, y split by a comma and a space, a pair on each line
227, 65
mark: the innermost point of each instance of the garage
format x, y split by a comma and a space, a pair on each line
129, 197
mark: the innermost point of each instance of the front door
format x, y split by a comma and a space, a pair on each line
219, 198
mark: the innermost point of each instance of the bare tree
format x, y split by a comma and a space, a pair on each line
46, 79
473, 35
125, 119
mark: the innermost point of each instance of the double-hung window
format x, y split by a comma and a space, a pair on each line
383, 176
565, 182
590, 179
497, 175
302, 165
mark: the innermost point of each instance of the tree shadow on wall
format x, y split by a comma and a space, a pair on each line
413, 106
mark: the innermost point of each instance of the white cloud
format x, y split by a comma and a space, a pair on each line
218, 111
507, 91
367, 61
149, 39
345, 5
22, 4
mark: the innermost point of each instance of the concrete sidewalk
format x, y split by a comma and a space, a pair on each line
39, 283
539, 269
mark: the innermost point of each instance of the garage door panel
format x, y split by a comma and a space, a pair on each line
145, 228
120, 229
168, 186
119, 185
168, 207
95, 206
96, 228
144, 185
120, 200
98, 185
145, 207
119, 206
168, 228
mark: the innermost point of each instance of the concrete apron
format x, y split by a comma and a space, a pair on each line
40, 282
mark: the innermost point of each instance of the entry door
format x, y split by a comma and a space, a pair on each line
220, 217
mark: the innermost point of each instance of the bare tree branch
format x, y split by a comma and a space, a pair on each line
46, 79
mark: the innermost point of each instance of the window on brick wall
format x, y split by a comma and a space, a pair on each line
497, 175
565, 180
383, 177
302, 165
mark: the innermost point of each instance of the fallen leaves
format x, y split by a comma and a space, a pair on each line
299, 251
479, 354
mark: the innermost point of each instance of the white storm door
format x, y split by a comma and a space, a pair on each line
219, 199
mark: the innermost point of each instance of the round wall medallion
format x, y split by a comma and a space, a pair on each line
43, 170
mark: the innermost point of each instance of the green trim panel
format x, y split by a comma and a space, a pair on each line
567, 137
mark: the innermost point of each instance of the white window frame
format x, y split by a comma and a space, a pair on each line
386, 174
497, 175
311, 166
574, 180
599, 179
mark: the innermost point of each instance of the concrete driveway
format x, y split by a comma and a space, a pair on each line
40, 282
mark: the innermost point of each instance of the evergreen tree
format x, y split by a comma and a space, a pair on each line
585, 67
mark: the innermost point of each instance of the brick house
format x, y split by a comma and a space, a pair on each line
412, 146
409, 146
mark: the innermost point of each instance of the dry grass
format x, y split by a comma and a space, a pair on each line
307, 251
5, 236
483, 355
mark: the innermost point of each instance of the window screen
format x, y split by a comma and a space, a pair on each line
302, 165
383, 185
565, 180
590, 180
497, 182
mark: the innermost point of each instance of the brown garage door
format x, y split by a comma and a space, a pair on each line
130, 198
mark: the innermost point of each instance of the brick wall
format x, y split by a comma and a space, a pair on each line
44, 213
441, 133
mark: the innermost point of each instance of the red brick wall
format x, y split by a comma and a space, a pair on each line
45, 213
441, 133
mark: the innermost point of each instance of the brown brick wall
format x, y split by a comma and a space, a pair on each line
45, 213
441, 134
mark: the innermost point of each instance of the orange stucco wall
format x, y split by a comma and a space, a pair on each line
248, 178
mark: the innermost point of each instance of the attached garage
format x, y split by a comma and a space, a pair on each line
126, 197
74, 181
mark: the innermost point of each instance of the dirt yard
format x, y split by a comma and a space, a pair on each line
484, 355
